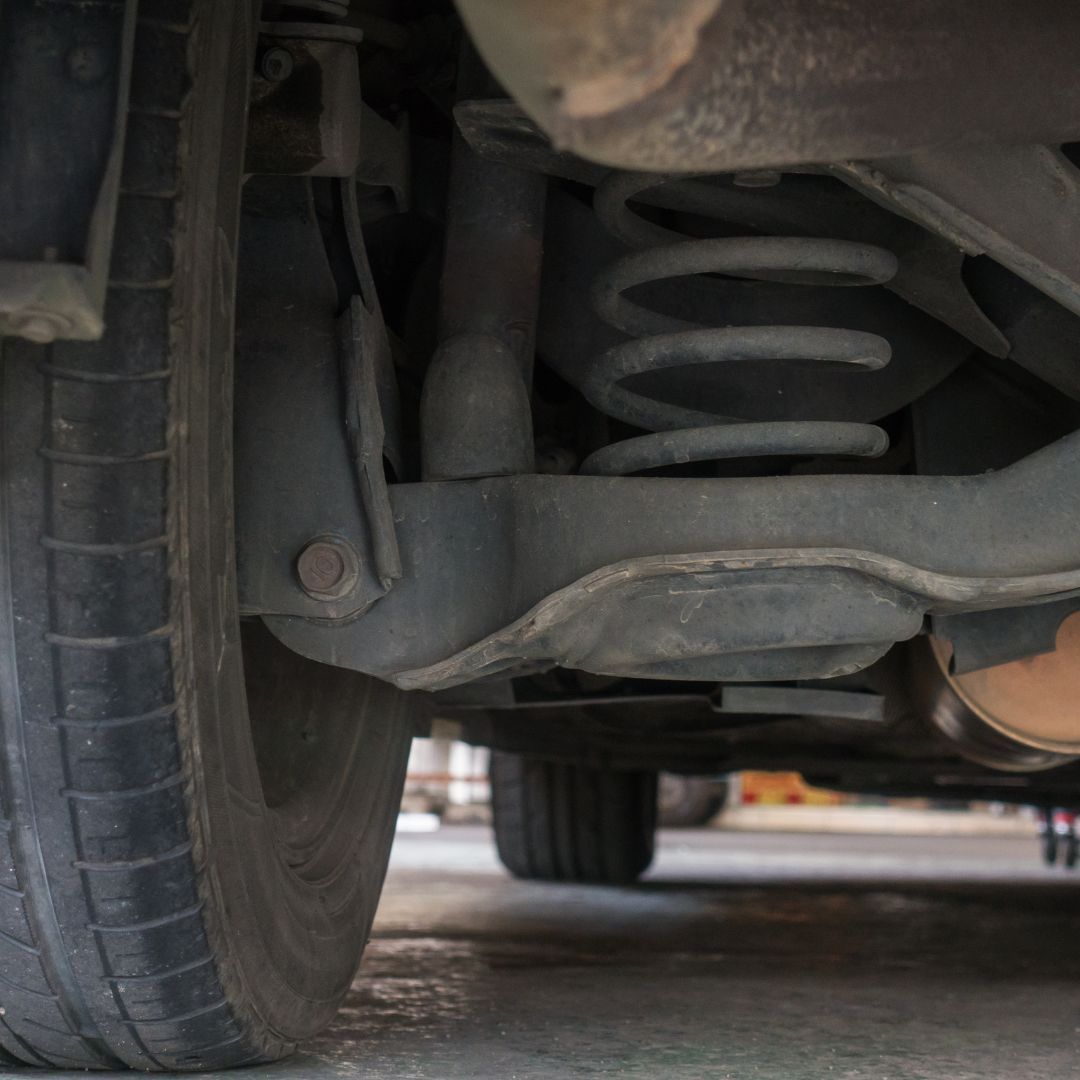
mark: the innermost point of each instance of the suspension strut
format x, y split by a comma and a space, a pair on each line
476, 417
660, 341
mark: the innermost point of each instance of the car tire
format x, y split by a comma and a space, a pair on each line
687, 802
195, 821
556, 821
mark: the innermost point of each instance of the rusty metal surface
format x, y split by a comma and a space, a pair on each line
305, 121
1035, 700
714, 85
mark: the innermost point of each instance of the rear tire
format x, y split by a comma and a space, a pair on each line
555, 821
1072, 851
180, 888
688, 802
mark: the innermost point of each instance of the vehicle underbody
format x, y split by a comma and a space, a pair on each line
637, 482
687, 386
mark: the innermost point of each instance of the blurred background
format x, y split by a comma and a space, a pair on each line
447, 785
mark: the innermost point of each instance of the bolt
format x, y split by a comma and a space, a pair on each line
327, 568
276, 64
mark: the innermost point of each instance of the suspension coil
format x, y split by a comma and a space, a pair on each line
334, 9
659, 341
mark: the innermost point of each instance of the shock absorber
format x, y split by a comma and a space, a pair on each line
658, 341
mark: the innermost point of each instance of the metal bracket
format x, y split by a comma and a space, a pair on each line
360, 342
982, 639
305, 114
316, 413
1018, 204
64, 82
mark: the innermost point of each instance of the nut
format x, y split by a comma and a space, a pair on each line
328, 568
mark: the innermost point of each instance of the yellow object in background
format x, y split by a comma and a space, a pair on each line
783, 789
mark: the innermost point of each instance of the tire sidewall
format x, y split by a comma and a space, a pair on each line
285, 955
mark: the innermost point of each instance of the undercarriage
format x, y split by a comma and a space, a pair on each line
717, 445
687, 386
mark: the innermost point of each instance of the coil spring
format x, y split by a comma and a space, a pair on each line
336, 9
659, 342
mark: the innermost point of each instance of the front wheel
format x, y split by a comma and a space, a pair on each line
557, 821
195, 822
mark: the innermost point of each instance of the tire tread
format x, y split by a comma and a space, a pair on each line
144, 989
558, 821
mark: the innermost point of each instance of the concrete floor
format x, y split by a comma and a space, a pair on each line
783, 956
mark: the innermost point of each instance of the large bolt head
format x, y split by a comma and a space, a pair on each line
276, 64
328, 568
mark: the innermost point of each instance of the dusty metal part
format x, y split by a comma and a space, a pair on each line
305, 120
475, 415
803, 701
295, 457
936, 697
679, 707
697, 619
312, 31
1043, 337
328, 568
372, 412
500, 130
660, 342
494, 245
1034, 701
336, 9
478, 556
63, 112
984, 639
1018, 204
360, 342
980, 742
923, 350
385, 159
929, 266
989, 413
702, 85
745, 616
594, 56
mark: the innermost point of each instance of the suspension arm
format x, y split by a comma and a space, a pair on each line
785, 577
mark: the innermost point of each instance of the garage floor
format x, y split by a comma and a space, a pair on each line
744, 955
